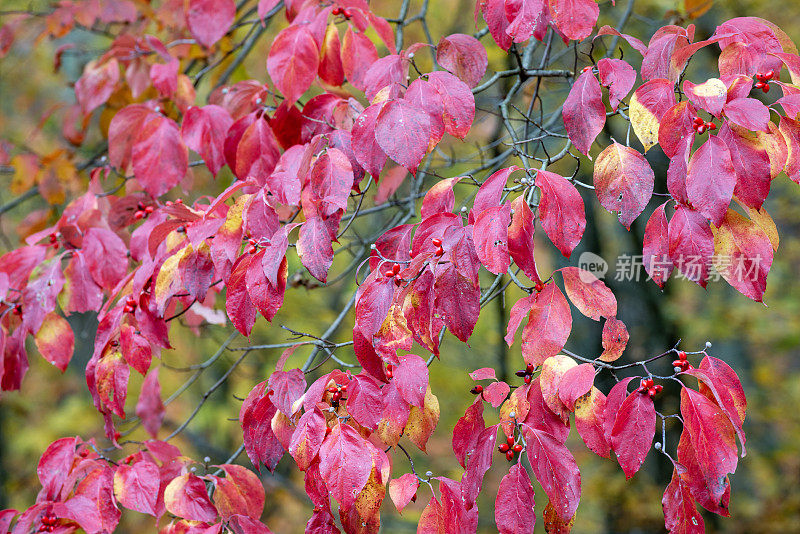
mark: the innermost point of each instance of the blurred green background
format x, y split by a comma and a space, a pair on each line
761, 342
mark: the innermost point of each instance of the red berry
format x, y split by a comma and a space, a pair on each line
388, 274
327, 430
529, 368
650, 382
538, 287
510, 440
651, 392
333, 389
528, 379
439, 251
436, 241
765, 88
517, 448
698, 121
586, 68
414, 497
398, 279
138, 215
389, 370
769, 74
503, 447
336, 11
759, 85
343, 388
677, 363
346, 13
658, 388
169, 203
148, 210
477, 389
337, 396
711, 126
681, 355
396, 268
509, 456
521, 373
178, 201
701, 129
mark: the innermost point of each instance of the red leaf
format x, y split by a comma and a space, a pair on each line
186, 497
575, 383
257, 152
331, 70
358, 55
691, 244
204, 131
160, 159
459, 104
403, 489
748, 113
96, 84
710, 179
293, 61
210, 20
307, 438
240, 308
440, 198
490, 235
615, 398
633, 431
618, 76
478, 462
713, 447
655, 249
149, 408
239, 494
106, 256
495, 393
55, 340
743, 255
710, 96
464, 56
575, 19
615, 338
368, 152
314, 248
255, 417
589, 421
411, 379
680, 513
467, 430
555, 469
287, 388
623, 182
589, 294
485, 373
345, 464
751, 163
648, 105
514, 505
136, 486
549, 324
389, 71
402, 132
561, 211
676, 129
521, 238
538, 415
584, 111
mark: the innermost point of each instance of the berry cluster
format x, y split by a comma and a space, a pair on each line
700, 126
681, 364
336, 392
254, 244
142, 211
49, 523
130, 305
438, 244
54, 240
648, 387
526, 373
389, 370
763, 80
509, 448
394, 273
341, 11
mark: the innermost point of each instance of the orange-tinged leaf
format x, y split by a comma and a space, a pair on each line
422, 422
764, 220
169, 281
648, 104
186, 496
588, 293
240, 492
623, 181
403, 489
615, 338
136, 486
743, 255
589, 421
55, 340
553, 371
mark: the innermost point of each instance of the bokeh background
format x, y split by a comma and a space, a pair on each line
761, 342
